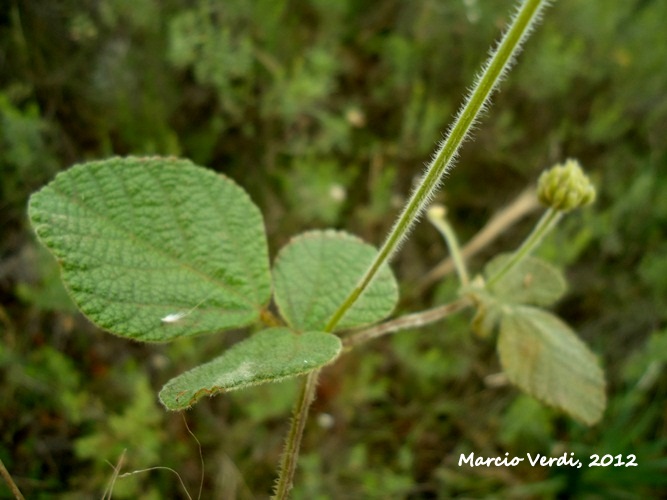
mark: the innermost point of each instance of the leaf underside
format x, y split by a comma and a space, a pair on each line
267, 356
531, 281
142, 239
544, 357
314, 273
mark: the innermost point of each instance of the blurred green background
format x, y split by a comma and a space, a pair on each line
326, 112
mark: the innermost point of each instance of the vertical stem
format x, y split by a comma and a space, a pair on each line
477, 100
293, 442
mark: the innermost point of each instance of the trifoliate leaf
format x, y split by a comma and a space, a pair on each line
544, 357
155, 248
267, 356
317, 270
531, 281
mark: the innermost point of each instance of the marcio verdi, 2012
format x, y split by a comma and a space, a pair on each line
543, 461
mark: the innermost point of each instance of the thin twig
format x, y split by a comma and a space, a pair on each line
160, 467
201, 456
10, 482
523, 205
116, 470
414, 320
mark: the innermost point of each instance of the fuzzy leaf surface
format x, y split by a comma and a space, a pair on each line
544, 357
267, 356
314, 273
531, 281
142, 239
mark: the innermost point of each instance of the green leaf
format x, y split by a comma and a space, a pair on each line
531, 281
544, 357
140, 240
314, 273
267, 356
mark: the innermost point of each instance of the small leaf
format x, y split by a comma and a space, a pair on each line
315, 272
544, 357
531, 281
268, 356
142, 239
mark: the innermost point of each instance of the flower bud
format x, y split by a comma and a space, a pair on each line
565, 187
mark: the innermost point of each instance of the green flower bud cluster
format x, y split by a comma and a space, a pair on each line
565, 187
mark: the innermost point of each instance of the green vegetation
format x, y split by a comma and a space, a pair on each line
269, 94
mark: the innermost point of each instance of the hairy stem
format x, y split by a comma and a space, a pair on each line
493, 72
293, 442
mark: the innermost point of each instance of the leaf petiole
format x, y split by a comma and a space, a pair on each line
544, 226
437, 216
